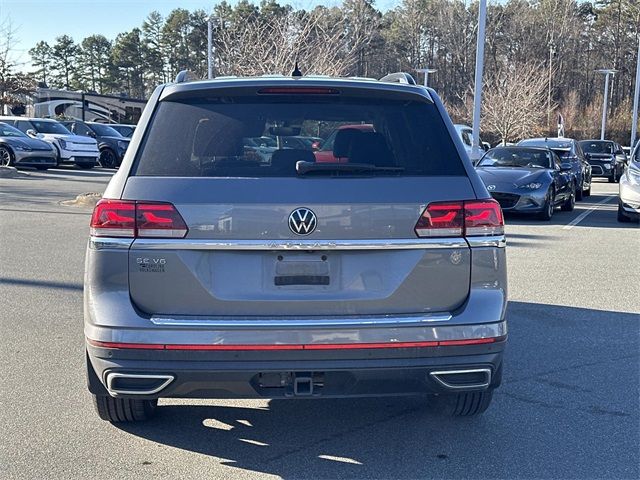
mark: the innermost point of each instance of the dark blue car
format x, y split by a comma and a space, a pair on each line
528, 180
572, 156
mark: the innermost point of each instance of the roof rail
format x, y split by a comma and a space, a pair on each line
399, 77
185, 76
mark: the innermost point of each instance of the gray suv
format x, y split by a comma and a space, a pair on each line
214, 272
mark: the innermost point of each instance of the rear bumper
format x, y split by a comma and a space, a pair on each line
268, 374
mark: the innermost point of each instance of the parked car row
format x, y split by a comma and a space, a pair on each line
539, 174
43, 143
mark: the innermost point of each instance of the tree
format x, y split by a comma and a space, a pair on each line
94, 60
128, 58
154, 56
41, 58
514, 102
63, 55
14, 86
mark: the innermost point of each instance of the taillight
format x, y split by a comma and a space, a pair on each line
127, 218
483, 217
159, 220
457, 219
441, 220
298, 91
114, 218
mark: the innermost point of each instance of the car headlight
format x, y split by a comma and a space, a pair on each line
532, 185
122, 145
634, 175
608, 166
22, 148
62, 143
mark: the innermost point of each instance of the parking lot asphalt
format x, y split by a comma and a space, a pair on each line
568, 407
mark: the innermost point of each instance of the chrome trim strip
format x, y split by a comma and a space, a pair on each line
112, 375
499, 241
386, 244
262, 323
110, 243
486, 371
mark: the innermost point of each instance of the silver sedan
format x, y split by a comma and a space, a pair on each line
20, 150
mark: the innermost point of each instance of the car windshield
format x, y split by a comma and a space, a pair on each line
9, 131
597, 147
381, 137
104, 130
545, 142
516, 157
43, 126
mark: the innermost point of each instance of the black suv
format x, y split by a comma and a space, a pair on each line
112, 145
607, 159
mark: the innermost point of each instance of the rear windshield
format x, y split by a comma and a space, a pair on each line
269, 137
597, 147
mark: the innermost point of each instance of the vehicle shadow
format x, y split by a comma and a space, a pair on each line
557, 391
602, 210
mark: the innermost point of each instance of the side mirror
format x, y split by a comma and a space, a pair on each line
565, 167
32, 133
92, 134
587, 156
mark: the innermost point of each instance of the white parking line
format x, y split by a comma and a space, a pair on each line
586, 213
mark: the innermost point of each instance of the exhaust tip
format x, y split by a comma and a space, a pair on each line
119, 383
468, 378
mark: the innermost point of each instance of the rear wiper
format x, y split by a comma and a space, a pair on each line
303, 167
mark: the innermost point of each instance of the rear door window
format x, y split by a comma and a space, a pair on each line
217, 137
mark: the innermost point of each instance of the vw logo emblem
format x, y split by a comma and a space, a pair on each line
491, 187
302, 221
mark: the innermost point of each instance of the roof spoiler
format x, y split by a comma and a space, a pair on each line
399, 77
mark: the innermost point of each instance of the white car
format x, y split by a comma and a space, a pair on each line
83, 151
629, 201
466, 136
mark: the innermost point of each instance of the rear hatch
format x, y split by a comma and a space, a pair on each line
251, 249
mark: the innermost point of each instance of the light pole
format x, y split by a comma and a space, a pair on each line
607, 73
477, 96
552, 51
636, 99
426, 72
210, 19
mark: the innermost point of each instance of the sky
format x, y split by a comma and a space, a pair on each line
35, 20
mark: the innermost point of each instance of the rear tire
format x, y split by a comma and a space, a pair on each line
579, 193
622, 217
569, 204
118, 410
466, 404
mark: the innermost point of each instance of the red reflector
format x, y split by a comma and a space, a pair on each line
472, 341
136, 346
127, 218
315, 346
298, 91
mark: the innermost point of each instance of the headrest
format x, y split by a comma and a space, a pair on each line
343, 141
